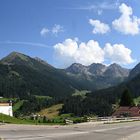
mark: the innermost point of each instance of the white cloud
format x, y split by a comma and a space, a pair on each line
57, 29
54, 30
44, 31
24, 43
70, 51
118, 53
100, 5
127, 23
98, 27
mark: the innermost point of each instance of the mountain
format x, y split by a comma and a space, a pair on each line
21, 75
97, 69
98, 76
114, 93
16, 58
76, 68
115, 70
135, 71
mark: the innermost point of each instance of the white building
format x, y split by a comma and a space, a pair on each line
6, 108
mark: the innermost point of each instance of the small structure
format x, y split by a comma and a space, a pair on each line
6, 108
67, 121
127, 112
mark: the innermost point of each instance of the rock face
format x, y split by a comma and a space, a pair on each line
115, 70
77, 68
97, 69
99, 75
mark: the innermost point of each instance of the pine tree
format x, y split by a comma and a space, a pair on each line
126, 99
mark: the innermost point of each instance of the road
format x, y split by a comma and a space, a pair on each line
89, 131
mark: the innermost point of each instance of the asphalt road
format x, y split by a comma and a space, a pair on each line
120, 131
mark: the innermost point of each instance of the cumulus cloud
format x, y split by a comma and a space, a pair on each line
118, 53
44, 31
54, 30
99, 27
70, 51
127, 23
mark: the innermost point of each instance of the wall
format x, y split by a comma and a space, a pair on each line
7, 110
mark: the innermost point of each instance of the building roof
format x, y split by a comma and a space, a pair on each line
131, 111
4, 104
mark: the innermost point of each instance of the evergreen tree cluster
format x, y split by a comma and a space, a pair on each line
126, 99
87, 106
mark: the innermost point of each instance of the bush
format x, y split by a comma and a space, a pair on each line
79, 120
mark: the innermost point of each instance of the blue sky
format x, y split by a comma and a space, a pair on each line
63, 32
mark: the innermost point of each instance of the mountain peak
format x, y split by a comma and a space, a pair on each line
16, 54
114, 65
76, 68
97, 64
76, 65
117, 71
97, 68
14, 57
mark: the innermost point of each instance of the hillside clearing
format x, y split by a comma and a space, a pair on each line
52, 111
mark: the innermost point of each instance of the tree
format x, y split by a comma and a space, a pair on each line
126, 99
44, 119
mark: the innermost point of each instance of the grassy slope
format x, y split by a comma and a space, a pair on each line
80, 93
52, 111
8, 119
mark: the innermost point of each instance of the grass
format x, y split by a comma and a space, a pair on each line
13, 120
43, 97
51, 112
80, 93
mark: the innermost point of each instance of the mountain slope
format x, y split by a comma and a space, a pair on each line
135, 71
21, 75
98, 76
113, 93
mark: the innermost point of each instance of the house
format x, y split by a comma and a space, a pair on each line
127, 111
6, 108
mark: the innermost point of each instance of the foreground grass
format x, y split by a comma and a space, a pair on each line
13, 120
